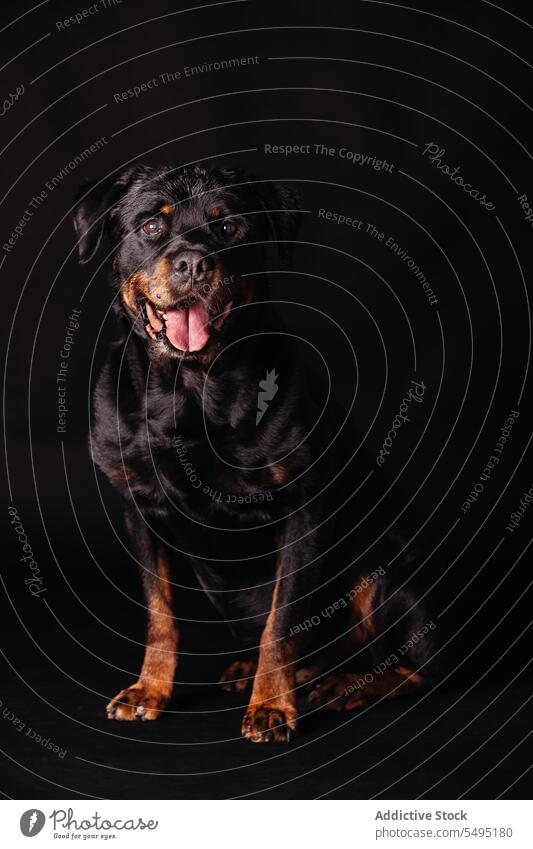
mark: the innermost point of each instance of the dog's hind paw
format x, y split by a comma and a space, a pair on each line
138, 702
239, 675
348, 691
338, 692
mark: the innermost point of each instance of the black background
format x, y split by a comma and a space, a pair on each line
377, 79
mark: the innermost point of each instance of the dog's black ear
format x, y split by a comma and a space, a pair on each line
281, 205
95, 200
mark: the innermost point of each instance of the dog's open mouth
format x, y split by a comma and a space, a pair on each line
187, 326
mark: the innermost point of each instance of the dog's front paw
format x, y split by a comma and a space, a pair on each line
140, 701
269, 723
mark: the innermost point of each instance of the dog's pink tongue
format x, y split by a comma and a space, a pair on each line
187, 329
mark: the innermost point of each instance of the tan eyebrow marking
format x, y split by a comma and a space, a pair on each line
167, 209
215, 212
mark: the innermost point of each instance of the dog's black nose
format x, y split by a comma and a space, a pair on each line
192, 266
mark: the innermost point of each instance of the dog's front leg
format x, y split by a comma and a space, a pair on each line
272, 714
151, 693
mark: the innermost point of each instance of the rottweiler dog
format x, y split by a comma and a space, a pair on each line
228, 451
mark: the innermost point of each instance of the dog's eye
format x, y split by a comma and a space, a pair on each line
152, 227
229, 228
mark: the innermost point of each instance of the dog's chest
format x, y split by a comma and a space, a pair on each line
185, 448
203, 472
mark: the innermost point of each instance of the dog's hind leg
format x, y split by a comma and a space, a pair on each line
349, 690
387, 641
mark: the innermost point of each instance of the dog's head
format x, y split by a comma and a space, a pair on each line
183, 242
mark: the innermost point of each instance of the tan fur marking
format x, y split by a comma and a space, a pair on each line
162, 633
280, 473
123, 475
134, 285
408, 673
160, 282
351, 690
363, 605
156, 288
